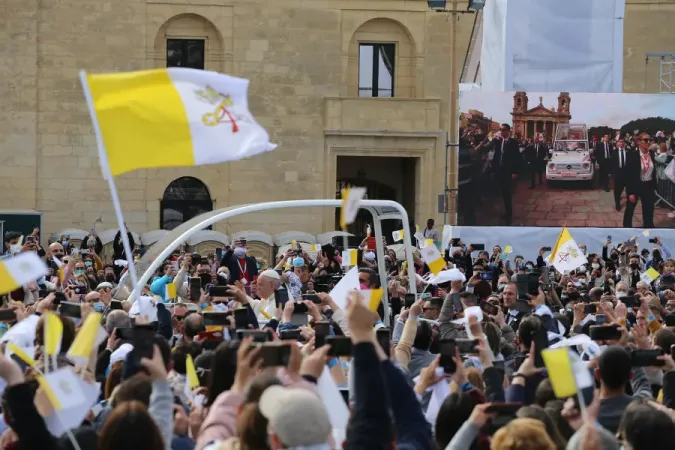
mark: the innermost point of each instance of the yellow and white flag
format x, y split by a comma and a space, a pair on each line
351, 199
173, 117
61, 267
349, 257
650, 275
170, 291
566, 254
566, 371
398, 235
53, 331
90, 336
372, 298
192, 380
433, 258
19, 270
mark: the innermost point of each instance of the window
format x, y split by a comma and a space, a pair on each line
376, 70
185, 53
184, 199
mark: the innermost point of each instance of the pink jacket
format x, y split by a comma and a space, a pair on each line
221, 421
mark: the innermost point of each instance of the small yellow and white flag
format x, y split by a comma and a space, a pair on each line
349, 257
372, 297
433, 258
398, 235
87, 339
645, 233
294, 243
19, 270
192, 380
566, 371
650, 275
566, 254
173, 117
170, 291
61, 267
21, 354
351, 199
508, 250
53, 329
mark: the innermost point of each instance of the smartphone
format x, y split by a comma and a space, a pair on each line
446, 348
384, 339
125, 334
590, 308
630, 301
523, 306
547, 249
241, 319
312, 297
219, 291
518, 361
647, 358
604, 333
116, 304
477, 247
409, 300
629, 244
609, 237
59, 297
70, 309
213, 318
31, 240
489, 308
291, 335
81, 290
300, 308
143, 341
670, 320
651, 241
339, 346
42, 293
219, 254
275, 355
540, 339
487, 276
466, 346
281, 297
259, 336
503, 408
195, 289
600, 319
321, 330
7, 315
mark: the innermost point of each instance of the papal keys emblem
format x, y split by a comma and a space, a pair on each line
222, 104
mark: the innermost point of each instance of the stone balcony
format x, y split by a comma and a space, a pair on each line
382, 115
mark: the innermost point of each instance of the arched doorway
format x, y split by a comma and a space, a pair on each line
183, 199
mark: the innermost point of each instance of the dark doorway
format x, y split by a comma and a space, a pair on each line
385, 178
183, 199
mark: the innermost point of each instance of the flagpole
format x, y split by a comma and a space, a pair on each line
105, 168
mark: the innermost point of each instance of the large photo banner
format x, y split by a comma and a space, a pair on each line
555, 159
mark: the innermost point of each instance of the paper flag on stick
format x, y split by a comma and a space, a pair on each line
22, 355
349, 258
650, 275
645, 233
373, 298
397, 235
170, 291
89, 337
53, 331
192, 381
19, 270
508, 250
351, 199
433, 258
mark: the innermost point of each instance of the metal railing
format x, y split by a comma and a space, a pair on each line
665, 189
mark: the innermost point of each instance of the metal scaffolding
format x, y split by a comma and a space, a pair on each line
666, 68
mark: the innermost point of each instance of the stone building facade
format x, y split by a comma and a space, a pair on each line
312, 87
540, 120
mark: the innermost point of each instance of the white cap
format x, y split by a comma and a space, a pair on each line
269, 273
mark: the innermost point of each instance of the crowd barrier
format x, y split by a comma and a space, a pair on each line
665, 189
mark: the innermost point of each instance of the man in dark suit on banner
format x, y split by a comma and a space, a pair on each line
506, 162
602, 152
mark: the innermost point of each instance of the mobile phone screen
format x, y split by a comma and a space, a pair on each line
321, 330
195, 289
384, 339
241, 318
447, 351
540, 339
71, 309
143, 341
339, 345
212, 318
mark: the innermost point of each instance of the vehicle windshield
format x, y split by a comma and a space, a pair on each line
570, 132
570, 146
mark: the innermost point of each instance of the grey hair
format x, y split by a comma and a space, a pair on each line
117, 319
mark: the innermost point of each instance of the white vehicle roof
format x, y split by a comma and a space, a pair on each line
571, 132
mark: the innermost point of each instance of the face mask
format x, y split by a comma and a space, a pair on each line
501, 287
240, 252
370, 256
503, 256
14, 248
88, 263
595, 266
206, 278
363, 286
223, 276
563, 297
110, 278
64, 243
99, 306
528, 267
79, 272
620, 294
634, 266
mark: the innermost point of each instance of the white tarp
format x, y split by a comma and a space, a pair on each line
553, 45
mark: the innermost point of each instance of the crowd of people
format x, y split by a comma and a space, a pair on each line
458, 366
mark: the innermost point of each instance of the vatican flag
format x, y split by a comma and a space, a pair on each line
172, 117
566, 255
351, 199
19, 270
